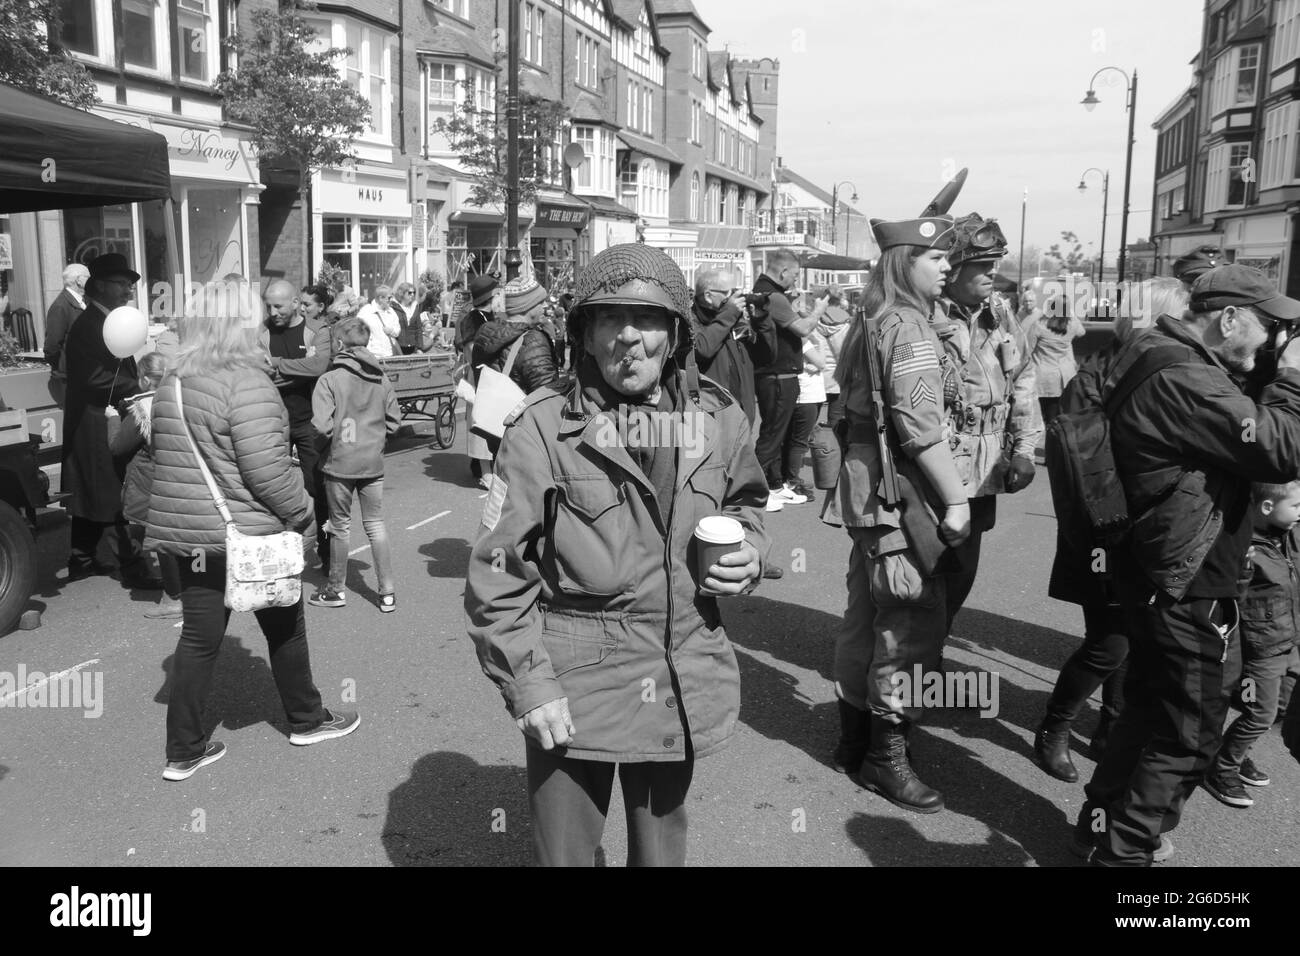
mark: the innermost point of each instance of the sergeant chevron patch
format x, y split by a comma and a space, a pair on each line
922, 393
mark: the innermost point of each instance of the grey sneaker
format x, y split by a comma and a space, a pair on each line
1252, 776
184, 769
336, 724
1227, 789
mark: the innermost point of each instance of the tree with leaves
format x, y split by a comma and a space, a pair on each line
34, 59
304, 114
1072, 258
479, 138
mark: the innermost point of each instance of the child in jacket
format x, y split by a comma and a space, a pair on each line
1270, 621
129, 433
355, 408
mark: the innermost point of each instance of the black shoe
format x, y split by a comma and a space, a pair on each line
1227, 789
855, 737
78, 570
885, 770
773, 572
1252, 776
1052, 751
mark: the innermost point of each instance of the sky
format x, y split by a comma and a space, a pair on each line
896, 95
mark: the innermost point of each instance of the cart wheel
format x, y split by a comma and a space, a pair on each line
445, 426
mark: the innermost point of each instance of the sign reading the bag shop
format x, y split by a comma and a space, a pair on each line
565, 216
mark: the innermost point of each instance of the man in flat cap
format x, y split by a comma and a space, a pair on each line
995, 419
1187, 444
98, 380
585, 595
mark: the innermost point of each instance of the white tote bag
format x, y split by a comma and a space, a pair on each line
496, 396
261, 570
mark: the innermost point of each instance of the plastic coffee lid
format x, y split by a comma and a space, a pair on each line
719, 529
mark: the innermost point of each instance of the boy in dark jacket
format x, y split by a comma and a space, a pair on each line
354, 406
1270, 614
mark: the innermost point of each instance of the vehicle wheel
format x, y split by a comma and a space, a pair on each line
445, 426
17, 566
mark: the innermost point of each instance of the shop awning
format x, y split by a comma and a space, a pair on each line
831, 263
731, 238
608, 208
650, 148
56, 157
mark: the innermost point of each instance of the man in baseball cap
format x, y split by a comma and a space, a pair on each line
587, 567
1187, 445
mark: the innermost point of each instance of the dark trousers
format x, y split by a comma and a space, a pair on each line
795, 446
307, 442
1050, 407
570, 799
1169, 730
1257, 696
1098, 662
203, 597
169, 568
777, 398
834, 409
86, 537
983, 515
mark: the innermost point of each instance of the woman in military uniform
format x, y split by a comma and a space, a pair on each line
896, 614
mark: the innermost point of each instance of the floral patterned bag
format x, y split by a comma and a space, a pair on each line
261, 570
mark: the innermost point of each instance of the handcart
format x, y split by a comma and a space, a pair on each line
422, 379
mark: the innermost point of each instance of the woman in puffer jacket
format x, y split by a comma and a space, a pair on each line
239, 423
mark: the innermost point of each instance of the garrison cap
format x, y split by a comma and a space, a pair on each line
930, 232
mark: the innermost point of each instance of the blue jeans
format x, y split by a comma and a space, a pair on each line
370, 492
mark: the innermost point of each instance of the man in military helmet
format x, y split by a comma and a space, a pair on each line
585, 595
995, 420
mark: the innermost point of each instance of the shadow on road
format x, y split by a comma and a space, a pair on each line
453, 811
447, 557
242, 694
1040, 645
450, 466
888, 841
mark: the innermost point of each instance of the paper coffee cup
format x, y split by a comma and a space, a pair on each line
715, 536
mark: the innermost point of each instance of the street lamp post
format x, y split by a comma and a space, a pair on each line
835, 208
513, 259
1105, 203
1090, 102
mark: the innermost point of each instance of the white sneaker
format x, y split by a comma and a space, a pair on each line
773, 502
788, 496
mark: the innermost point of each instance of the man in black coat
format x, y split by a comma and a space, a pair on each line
727, 346
98, 380
67, 305
1187, 445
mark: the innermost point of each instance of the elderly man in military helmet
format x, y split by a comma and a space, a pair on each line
995, 420
585, 595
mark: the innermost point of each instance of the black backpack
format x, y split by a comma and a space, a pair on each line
1092, 513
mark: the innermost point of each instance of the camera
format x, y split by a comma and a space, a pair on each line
757, 299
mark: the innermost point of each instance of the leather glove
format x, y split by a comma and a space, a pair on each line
1020, 474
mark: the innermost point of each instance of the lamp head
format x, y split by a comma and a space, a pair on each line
1090, 101
1083, 187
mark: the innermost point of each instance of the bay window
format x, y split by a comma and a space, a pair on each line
1236, 78
597, 170
367, 70
652, 189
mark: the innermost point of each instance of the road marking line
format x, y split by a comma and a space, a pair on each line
14, 695
358, 550
419, 524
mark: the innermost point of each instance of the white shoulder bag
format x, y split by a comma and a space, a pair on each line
496, 396
261, 570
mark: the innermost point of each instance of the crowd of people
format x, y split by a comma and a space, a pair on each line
593, 595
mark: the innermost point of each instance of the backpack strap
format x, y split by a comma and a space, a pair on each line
1134, 368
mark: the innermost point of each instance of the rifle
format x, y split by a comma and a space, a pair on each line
901, 489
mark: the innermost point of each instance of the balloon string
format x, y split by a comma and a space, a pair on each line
114, 384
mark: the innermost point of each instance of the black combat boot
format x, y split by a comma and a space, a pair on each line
855, 737
885, 770
1052, 751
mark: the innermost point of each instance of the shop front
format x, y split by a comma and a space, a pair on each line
1261, 241
559, 242
726, 247
476, 236
611, 223
361, 223
215, 187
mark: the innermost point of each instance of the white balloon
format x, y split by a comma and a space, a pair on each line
126, 330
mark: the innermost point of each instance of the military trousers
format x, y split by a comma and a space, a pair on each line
966, 556
1170, 727
893, 625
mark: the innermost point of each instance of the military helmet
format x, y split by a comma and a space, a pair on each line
632, 274
978, 240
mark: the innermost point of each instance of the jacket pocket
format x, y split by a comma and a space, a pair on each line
895, 578
708, 486
572, 642
592, 536
1266, 624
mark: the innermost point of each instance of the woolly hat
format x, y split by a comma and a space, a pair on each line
523, 294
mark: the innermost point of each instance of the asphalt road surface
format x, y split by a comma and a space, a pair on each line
435, 774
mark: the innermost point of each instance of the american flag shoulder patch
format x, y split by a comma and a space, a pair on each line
922, 394
913, 357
